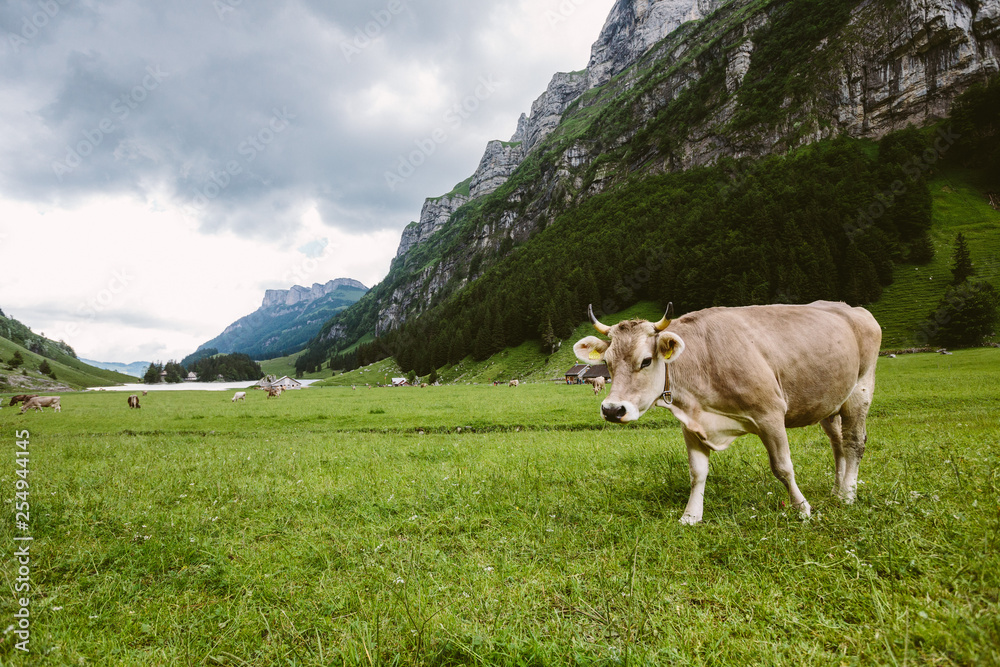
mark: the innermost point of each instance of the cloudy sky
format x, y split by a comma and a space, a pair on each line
162, 164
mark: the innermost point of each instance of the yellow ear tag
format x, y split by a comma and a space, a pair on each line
595, 355
670, 353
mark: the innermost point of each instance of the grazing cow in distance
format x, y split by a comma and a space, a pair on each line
597, 383
20, 398
239, 396
133, 401
274, 391
39, 402
726, 372
513, 383
144, 393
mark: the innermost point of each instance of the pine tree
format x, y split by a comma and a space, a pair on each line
961, 268
966, 317
152, 375
921, 250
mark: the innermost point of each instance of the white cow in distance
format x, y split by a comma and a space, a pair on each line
39, 402
239, 396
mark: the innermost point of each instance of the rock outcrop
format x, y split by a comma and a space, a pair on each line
298, 294
633, 27
435, 213
547, 111
498, 163
287, 319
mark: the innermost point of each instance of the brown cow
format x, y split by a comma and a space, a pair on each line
39, 402
20, 398
274, 391
133, 401
724, 372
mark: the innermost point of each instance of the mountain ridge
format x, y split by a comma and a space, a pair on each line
920, 55
750, 78
286, 319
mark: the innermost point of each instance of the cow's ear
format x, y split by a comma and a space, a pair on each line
670, 346
590, 350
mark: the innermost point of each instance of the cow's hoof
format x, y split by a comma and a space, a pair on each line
805, 511
846, 497
690, 519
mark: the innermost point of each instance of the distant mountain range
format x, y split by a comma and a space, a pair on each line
135, 369
287, 319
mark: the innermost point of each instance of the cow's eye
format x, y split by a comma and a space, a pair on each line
645, 363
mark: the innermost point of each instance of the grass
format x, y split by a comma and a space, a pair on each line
332, 527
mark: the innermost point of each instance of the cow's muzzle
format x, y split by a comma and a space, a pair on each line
614, 412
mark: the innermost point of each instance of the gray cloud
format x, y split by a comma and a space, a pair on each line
245, 113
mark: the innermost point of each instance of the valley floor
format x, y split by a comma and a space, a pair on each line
496, 525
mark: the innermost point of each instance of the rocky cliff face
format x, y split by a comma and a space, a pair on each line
298, 294
912, 59
435, 213
548, 109
894, 63
287, 319
633, 26
498, 163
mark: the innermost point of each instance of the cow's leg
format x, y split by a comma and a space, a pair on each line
698, 466
775, 440
854, 416
832, 426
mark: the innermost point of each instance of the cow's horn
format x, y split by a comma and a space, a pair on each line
603, 328
667, 318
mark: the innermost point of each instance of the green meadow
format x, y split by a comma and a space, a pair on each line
487, 525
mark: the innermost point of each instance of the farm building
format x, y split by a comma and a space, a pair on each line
400, 382
286, 383
583, 372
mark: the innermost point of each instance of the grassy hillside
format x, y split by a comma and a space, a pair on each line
526, 362
70, 373
282, 366
959, 206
